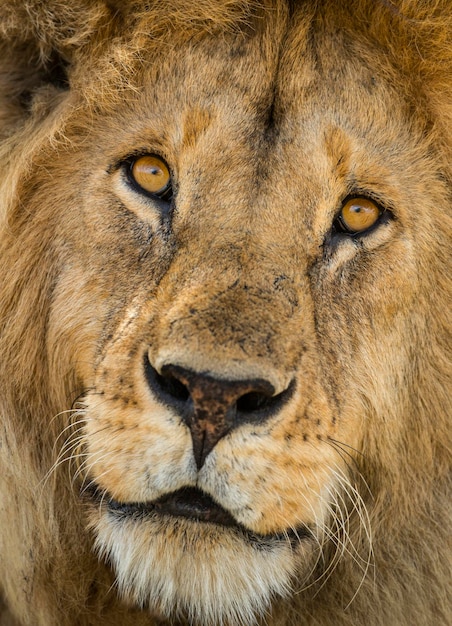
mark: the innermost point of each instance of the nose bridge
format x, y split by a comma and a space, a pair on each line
231, 320
240, 275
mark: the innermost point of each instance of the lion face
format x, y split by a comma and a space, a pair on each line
242, 325
237, 289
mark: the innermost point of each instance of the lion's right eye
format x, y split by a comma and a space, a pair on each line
151, 175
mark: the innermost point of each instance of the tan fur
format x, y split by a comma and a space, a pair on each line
269, 115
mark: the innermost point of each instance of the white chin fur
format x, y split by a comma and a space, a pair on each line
205, 573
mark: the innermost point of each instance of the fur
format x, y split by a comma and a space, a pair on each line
269, 115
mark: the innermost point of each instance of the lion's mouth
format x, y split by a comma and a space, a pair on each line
193, 504
188, 502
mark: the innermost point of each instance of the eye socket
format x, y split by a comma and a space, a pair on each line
358, 215
151, 175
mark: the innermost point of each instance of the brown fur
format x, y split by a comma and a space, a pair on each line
269, 114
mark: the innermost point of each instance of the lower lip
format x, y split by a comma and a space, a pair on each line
193, 505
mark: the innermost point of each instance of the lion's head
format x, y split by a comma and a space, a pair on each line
225, 237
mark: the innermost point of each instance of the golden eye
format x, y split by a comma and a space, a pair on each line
152, 175
358, 215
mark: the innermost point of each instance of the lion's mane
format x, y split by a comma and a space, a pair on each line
387, 558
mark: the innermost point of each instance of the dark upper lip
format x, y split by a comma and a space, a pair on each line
193, 504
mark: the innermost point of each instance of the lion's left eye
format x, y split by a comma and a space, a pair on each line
358, 215
151, 174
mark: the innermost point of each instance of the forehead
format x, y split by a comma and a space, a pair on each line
287, 74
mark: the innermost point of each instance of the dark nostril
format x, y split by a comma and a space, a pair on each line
169, 389
251, 402
173, 387
261, 404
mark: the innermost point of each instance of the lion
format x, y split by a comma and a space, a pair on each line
225, 237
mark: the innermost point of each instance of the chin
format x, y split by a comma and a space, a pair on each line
184, 557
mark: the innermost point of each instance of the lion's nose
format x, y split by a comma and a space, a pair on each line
213, 407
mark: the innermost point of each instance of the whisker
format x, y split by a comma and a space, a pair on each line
344, 499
